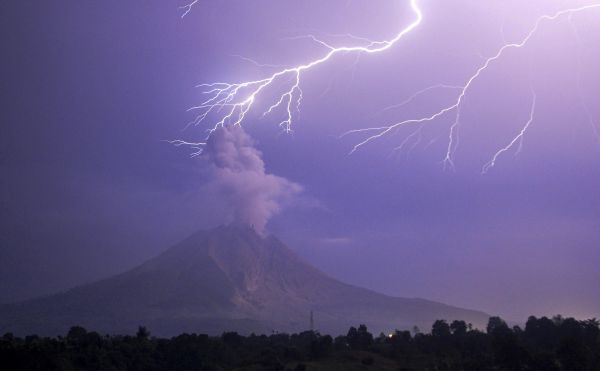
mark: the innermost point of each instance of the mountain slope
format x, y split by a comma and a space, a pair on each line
229, 278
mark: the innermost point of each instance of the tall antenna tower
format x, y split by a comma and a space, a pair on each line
312, 321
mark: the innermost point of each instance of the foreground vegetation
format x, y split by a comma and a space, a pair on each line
544, 344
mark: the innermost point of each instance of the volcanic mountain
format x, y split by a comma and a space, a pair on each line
226, 279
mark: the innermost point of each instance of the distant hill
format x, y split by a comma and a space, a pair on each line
225, 279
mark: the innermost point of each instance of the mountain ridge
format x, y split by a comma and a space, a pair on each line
225, 279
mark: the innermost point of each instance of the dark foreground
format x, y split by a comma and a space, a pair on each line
544, 344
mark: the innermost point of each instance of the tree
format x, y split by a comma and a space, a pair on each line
233, 339
76, 333
359, 339
440, 329
497, 326
340, 343
321, 346
541, 333
507, 351
416, 330
459, 328
591, 330
572, 354
142, 333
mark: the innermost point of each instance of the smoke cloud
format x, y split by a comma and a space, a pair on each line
238, 172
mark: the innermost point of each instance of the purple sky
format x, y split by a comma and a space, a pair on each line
88, 189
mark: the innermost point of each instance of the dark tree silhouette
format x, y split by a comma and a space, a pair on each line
359, 339
458, 328
142, 333
557, 344
440, 329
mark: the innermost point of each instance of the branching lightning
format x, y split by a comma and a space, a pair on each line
188, 8
517, 139
456, 106
231, 102
419, 93
234, 100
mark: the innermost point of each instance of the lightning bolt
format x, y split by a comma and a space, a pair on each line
231, 102
517, 139
453, 138
419, 93
197, 147
187, 8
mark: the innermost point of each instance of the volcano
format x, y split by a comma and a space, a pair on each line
226, 279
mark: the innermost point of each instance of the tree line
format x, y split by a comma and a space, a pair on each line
544, 344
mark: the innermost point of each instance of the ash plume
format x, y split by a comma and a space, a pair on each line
238, 173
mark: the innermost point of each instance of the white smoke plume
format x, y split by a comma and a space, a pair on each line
238, 172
